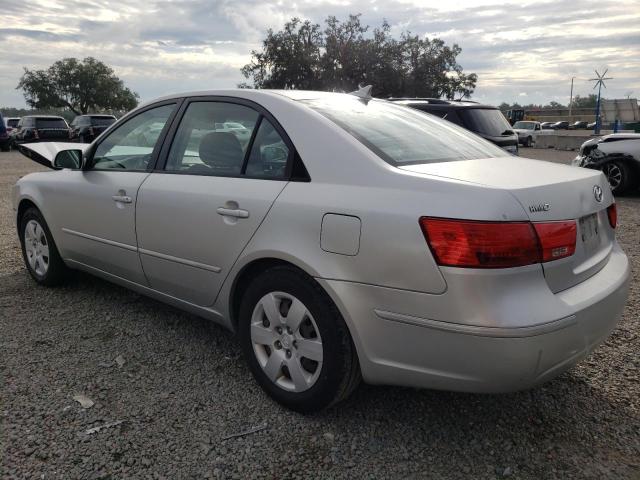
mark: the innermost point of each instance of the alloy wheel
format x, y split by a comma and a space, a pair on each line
36, 247
286, 341
614, 175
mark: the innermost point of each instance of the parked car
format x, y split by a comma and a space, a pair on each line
547, 125
11, 123
352, 237
560, 126
617, 155
5, 139
483, 120
38, 128
85, 128
579, 125
528, 132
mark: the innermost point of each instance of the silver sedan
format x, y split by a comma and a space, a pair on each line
341, 237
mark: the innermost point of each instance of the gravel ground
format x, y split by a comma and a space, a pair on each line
179, 387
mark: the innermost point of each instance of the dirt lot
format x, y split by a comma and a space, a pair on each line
179, 387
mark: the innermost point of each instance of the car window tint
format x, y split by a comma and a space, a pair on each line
401, 135
269, 153
487, 121
51, 123
100, 121
212, 139
131, 144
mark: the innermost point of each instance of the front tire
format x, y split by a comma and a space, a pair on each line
528, 142
39, 251
296, 342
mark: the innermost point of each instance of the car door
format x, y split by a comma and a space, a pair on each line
96, 206
196, 214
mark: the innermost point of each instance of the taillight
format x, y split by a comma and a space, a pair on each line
557, 239
479, 244
612, 213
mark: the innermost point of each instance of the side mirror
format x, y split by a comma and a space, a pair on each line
71, 159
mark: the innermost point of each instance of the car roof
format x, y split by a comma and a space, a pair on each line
43, 116
438, 103
622, 136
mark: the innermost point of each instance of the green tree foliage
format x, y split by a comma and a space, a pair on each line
82, 86
347, 54
585, 102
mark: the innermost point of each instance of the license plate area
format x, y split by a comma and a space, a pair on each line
589, 231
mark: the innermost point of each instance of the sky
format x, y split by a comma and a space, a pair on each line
522, 51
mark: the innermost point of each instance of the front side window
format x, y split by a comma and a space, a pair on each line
131, 145
213, 138
401, 135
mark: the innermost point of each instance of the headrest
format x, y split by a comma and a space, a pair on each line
222, 150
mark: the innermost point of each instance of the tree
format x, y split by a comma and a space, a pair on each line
81, 86
585, 102
347, 54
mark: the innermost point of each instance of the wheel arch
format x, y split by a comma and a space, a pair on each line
243, 278
23, 206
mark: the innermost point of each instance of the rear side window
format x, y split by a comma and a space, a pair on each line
486, 121
269, 153
212, 139
401, 135
50, 123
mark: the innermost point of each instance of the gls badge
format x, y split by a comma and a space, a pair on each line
541, 207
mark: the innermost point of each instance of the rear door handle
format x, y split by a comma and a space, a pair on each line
231, 212
122, 198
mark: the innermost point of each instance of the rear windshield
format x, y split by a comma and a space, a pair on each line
486, 121
100, 121
13, 122
50, 123
401, 135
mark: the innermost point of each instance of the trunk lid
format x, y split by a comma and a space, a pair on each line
547, 192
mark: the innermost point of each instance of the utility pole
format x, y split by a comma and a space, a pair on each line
599, 83
571, 98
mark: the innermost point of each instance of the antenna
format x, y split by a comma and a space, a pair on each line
599, 83
364, 92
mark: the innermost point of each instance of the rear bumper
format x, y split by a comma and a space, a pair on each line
398, 346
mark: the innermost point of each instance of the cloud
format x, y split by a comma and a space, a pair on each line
161, 46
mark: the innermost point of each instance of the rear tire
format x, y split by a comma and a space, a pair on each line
39, 251
619, 175
295, 341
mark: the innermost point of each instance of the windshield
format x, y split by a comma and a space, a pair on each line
486, 121
401, 135
525, 125
51, 123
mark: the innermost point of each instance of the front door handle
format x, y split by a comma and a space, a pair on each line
122, 198
233, 212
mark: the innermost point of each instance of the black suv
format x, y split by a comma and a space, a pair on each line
85, 128
34, 128
483, 120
